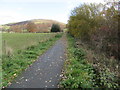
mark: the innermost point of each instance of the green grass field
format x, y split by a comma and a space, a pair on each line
26, 49
13, 42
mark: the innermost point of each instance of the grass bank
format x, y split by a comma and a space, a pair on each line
80, 73
13, 65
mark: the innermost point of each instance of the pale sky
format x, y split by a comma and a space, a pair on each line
21, 10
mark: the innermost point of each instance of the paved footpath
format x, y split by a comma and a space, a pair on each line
46, 71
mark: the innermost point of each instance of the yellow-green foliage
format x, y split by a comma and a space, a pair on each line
5, 28
84, 20
97, 24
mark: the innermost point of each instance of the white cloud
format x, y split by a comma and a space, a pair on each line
10, 16
93, 1
61, 18
20, 8
73, 3
52, 0
14, 16
35, 0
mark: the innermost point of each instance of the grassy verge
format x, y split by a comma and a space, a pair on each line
78, 73
0, 59
13, 65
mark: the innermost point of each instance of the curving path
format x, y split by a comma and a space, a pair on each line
46, 71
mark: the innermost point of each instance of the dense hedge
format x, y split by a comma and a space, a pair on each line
97, 25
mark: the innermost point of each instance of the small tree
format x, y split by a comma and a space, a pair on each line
31, 27
55, 28
16, 28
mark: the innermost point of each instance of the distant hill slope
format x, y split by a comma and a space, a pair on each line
42, 25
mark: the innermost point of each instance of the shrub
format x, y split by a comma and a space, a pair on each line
55, 28
97, 25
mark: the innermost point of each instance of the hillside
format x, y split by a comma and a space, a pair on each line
41, 25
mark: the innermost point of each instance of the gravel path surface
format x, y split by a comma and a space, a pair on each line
46, 71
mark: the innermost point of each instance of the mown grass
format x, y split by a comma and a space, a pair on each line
78, 73
13, 65
12, 42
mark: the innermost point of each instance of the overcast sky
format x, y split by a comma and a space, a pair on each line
20, 10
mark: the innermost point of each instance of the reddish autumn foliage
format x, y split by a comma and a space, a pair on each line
31, 27
37, 25
16, 28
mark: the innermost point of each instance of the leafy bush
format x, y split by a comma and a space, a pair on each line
79, 53
55, 28
107, 79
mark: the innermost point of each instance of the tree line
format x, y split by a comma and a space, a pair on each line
97, 25
31, 27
